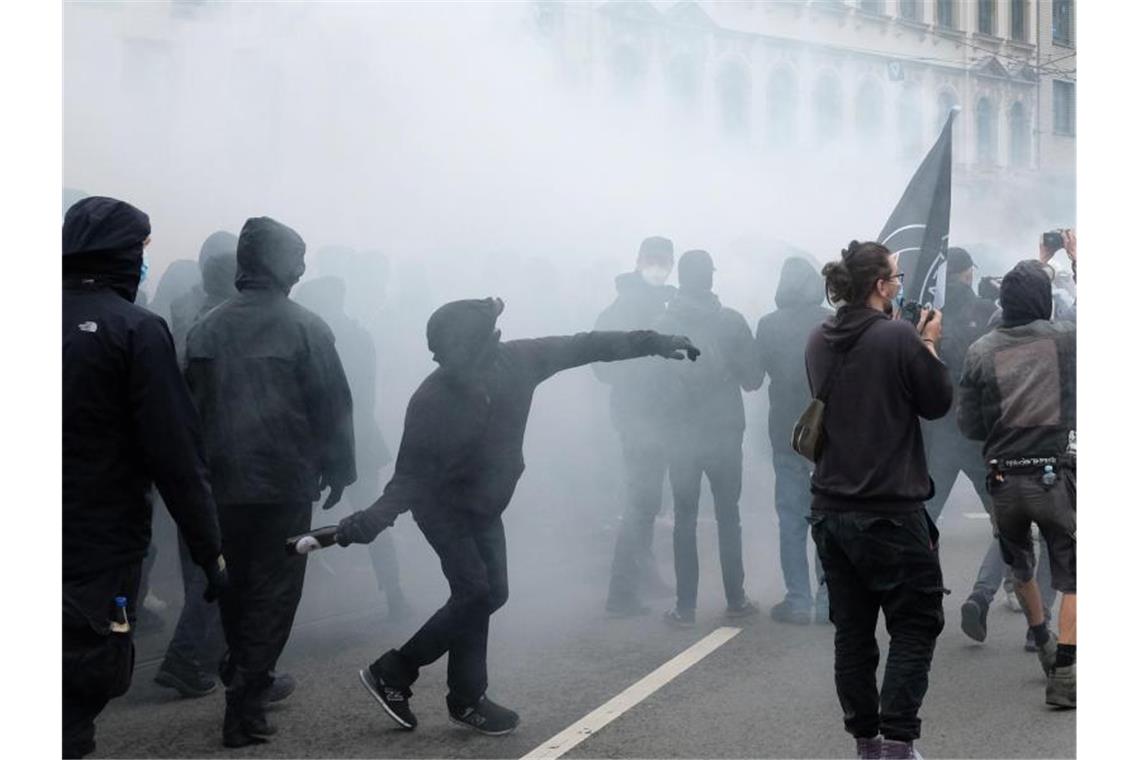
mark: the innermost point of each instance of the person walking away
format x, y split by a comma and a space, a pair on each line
277, 414
128, 423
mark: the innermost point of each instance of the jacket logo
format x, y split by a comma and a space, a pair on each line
88, 327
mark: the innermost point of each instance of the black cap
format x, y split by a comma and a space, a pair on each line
694, 270
957, 261
656, 248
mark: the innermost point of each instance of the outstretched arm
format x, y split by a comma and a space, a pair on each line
548, 356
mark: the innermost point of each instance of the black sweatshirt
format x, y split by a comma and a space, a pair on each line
873, 458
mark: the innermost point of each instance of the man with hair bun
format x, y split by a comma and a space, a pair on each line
879, 548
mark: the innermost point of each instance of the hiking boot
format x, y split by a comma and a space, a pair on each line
974, 611
893, 749
484, 716
742, 609
1061, 687
788, 611
868, 749
1047, 654
279, 688
394, 700
678, 618
187, 680
626, 608
245, 721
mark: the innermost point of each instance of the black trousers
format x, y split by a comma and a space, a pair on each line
473, 556
722, 461
198, 642
97, 664
947, 455
645, 463
265, 582
876, 562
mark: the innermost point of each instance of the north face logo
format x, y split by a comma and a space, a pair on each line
88, 327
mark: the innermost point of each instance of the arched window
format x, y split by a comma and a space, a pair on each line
683, 83
986, 132
910, 122
781, 108
827, 109
869, 113
1018, 136
734, 90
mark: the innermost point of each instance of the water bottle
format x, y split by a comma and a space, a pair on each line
1049, 477
119, 621
1072, 448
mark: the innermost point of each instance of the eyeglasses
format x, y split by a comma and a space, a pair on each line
898, 277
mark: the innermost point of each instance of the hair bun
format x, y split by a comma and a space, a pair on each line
849, 251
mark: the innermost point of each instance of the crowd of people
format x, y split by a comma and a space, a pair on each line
253, 397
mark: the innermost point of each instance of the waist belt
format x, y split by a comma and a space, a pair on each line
1028, 464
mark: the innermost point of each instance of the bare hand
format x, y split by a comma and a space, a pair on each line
930, 325
1070, 239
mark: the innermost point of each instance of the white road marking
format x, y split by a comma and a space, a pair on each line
610, 711
975, 515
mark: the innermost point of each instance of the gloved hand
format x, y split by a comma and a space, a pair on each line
677, 347
360, 528
217, 578
335, 492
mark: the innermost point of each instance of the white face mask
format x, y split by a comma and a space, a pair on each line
655, 275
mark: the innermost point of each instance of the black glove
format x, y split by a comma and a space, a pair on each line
335, 492
677, 347
217, 578
360, 528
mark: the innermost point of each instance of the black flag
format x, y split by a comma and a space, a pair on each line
919, 226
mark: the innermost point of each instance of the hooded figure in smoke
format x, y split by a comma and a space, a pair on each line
636, 414
459, 462
706, 431
197, 644
780, 340
277, 414
128, 422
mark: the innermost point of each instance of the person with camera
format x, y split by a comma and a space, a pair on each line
1018, 396
876, 376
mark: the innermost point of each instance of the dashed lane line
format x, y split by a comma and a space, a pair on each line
588, 726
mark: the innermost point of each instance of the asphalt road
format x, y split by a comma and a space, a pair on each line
555, 657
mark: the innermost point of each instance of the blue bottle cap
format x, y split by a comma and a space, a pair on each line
120, 601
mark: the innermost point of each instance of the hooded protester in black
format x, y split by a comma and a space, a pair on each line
277, 414
217, 268
459, 461
128, 422
780, 340
705, 412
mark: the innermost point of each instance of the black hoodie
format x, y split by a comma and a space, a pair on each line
127, 418
780, 340
269, 385
873, 458
217, 268
638, 306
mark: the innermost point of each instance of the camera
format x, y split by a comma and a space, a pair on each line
989, 288
910, 311
1053, 241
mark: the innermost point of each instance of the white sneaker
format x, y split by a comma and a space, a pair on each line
1011, 602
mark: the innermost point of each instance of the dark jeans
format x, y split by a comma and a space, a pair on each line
793, 505
645, 464
265, 582
721, 461
473, 556
97, 664
198, 641
875, 562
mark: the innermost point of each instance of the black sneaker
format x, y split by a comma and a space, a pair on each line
974, 612
281, 685
392, 699
742, 609
1030, 642
188, 681
678, 618
485, 716
788, 611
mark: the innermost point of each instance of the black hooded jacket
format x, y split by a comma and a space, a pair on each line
873, 457
264, 372
638, 306
128, 421
780, 340
703, 399
217, 267
1019, 383
461, 451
